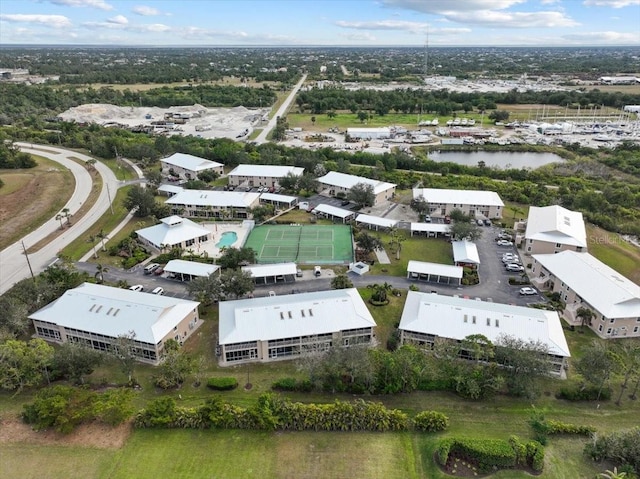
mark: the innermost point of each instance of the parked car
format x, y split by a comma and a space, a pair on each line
510, 259
136, 287
159, 291
299, 273
505, 243
345, 202
514, 267
150, 268
158, 271
427, 219
272, 293
479, 222
317, 271
487, 222
527, 291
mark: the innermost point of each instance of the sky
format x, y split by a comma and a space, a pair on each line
321, 22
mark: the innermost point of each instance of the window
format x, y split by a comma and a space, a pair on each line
635, 330
608, 330
612, 320
473, 320
488, 321
466, 318
497, 323
600, 328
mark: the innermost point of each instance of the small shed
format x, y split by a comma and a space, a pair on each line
434, 272
376, 222
272, 273
359, 268
188, 270
332, 212
465, 253
429, 229
278, 201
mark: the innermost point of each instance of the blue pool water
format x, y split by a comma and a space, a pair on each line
227, 239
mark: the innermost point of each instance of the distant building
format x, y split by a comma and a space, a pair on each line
431, 318
583, 281
552, 229
286, 327
213, 204
95, 316
474, 203
189, 166
261, 175
173, 232
632, 108
369, 133
342, 183
619, 80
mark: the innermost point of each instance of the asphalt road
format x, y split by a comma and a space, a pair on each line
262, 137
13, 264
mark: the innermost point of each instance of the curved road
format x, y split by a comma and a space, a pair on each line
13, 264
262, 137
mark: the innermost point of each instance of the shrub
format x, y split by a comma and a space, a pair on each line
589, 393
222, 384
620, 447
557, 427
430, 421
292, 384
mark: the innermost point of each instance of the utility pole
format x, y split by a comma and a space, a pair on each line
26, 255
109, 197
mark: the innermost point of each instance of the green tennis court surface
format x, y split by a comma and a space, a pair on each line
302, 244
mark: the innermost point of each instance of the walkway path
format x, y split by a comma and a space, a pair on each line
13, 264
262, 137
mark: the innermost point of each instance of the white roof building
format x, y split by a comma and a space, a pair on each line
290, 316
465, 252
433, 271
93, 309
173, 231
556, 225
342, 180
435, 228
271, 270
607, 291
377, 221
267, 171
458, 197
190, 268
434, 315
369, 133
191, 163
219, 199
333, 211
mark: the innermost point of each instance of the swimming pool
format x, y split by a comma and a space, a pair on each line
227, 239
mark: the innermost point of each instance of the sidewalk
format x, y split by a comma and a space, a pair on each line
383, 258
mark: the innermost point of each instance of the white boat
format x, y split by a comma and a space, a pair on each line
471, 122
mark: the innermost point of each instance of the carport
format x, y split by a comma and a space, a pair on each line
429, 229
375, 221
278, 201
187, 270
333, 212
465, 253
434, 272
272, 273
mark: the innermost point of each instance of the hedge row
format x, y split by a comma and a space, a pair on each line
584, 394
292, 384
222, 384
557, 427
273, 412
492, 454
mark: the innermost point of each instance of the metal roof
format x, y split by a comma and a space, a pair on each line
172, 230
444, 316
461, 197
376, 221
342, 180
113, 312
170, 188
272, 171
602, 287
278, 198
290, 316
333, 211
465, 252
266, 270
190, 162
556, 224
192, 268
422, 267
223, 199
430, 227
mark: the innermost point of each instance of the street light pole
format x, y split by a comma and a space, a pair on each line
109, 197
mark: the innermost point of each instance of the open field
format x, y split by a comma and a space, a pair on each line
233, 81
613, 250
30, 197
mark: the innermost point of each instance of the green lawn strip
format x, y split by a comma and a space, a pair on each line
513, 212
107, 222
121, 169
32, 461
116, 261
614, 251
386, 317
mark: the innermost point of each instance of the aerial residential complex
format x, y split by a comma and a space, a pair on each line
261, 175
335, 183
552, 229
173, 232
477, 204
430, 318
189, 166
213, 204
583, 281
285, 327
95, 315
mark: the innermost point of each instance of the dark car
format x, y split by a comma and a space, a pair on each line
345, 202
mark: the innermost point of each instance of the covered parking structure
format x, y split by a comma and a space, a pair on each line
333, 212
434, 272
280, 202
188, 270
272, 273
430, 229
465, 253
376, 222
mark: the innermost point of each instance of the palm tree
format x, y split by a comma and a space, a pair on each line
100, 271
585, 314
60, 217
102, 236
380, 291
66, 213
613, 474
92, 240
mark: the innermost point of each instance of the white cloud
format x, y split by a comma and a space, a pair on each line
611, 3
99, 4
513, 19
616, 38
145, 11
549, 2
439, 6
385, 25
53, 21
119, 20
126, 26
359, 36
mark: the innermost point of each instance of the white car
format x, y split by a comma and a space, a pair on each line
515, 268
527, 291
504, 243
137, 287
159, 291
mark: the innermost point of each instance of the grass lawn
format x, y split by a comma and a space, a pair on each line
513, 212
386, 317
613, 250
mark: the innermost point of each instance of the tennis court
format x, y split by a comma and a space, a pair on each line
331, 244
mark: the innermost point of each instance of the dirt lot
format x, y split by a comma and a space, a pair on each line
234, 123
30, 197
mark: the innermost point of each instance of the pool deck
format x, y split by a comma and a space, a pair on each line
217, 229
